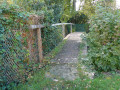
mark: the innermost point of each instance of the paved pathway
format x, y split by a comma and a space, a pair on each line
64, 65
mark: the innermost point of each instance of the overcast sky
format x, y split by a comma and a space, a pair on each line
118, 3
78, 3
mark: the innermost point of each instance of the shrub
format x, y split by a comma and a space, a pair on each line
78, 18
51, 36
104, 39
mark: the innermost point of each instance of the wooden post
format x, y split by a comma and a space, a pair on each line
38, 28
40, 45
63, 30
71, 28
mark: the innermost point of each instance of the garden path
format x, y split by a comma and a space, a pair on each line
64, 65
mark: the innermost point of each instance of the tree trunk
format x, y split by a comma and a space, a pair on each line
74, 4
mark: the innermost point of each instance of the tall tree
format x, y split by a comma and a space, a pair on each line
68, 10
57, 6
88, 7
74, 4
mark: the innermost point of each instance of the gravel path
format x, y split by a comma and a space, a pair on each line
64, 65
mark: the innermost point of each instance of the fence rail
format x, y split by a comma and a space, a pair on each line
63, 27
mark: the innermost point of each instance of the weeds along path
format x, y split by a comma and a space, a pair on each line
64, 65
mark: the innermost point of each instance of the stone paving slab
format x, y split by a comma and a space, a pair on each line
65, 62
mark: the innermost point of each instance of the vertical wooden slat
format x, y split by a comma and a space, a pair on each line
40, 45
71, 28
63, 30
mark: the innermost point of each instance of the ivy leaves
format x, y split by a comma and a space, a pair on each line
12, 51
1, 38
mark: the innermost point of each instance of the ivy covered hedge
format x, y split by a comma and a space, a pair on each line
13, 54
104, 39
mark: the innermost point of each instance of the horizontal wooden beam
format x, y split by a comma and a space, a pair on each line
36, 26
62, 24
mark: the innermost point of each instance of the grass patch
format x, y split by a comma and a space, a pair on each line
40, 82
100, 82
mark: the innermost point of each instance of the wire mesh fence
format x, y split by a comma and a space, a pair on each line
18, 48
17, 58
81, 27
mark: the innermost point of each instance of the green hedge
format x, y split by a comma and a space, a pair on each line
104, 39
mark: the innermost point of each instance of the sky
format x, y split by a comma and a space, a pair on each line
118, 3
78, 4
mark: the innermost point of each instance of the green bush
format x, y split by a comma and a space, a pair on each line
104, 39
51, 36
78, 18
